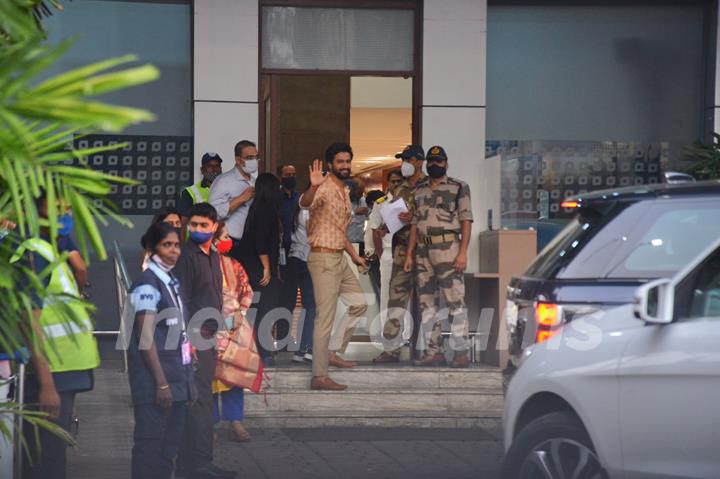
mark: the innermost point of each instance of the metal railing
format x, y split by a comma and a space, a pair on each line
11, 444
122, 285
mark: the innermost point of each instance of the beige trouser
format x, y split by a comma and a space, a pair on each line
332, 279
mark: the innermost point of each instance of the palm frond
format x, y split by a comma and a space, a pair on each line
39, 119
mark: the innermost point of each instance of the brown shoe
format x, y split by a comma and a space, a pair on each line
324, 383
241, 434
431, 360
461, 360
386, 358
338, 362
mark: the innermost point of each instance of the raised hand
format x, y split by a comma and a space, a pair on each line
316, 174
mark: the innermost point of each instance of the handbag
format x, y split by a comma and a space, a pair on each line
239, 364
238, 361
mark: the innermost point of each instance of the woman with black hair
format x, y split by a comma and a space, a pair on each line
159, 358
259, 253
168, 215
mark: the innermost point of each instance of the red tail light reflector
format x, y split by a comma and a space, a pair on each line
549, 319
543, 335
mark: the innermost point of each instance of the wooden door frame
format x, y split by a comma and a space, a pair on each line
415, 73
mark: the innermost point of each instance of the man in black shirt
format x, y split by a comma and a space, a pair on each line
200, 276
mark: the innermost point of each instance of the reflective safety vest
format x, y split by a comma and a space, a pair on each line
198, 193
69, 345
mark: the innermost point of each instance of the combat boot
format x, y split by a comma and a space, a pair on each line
385, 358
461, 360
431, 360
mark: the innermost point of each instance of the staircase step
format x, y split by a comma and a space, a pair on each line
409, 400
392, 377
397, 395
488, 420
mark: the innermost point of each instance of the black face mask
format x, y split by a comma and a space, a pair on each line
289, 183
436, 171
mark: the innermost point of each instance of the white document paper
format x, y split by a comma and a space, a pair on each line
390, 212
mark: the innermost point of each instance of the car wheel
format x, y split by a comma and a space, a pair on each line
553, 446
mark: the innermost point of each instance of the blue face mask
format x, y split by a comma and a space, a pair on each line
65, 224
199, 237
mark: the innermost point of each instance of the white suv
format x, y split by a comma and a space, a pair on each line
611, 395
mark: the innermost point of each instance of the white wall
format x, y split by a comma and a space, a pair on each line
225, 76
218, 126
380, 92
453, 104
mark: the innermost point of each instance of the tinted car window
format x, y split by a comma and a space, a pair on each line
641, 240
698, 295
663, 238
579, 234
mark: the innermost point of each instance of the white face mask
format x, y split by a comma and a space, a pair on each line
251, 166
407, 169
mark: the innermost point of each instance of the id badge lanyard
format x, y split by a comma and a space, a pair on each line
185, 347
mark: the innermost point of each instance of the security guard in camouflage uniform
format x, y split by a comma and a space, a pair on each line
440, 230
402, 283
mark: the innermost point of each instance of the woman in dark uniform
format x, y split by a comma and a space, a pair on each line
159, 358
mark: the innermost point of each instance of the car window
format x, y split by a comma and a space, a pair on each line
672, 234
650, 239
578, 233
698, 295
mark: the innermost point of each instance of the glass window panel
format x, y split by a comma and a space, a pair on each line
594, 96
337, 39
158, 33
596, 73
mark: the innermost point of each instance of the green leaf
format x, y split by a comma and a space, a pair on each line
110, 82
16, 19
37, 122
40, 63
78, 74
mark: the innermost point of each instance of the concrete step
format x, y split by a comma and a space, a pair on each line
397, 395
395, 377
487, 420
411, 401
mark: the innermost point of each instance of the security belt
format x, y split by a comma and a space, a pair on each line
439, 239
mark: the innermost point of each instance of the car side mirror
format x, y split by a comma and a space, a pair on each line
654, 302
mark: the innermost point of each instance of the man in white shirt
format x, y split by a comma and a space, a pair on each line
382, 238
232, 192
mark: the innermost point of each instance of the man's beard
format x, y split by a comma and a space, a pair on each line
343, 174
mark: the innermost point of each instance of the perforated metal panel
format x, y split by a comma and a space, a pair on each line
163, 165
567, 168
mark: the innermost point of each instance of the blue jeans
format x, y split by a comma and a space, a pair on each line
299, 273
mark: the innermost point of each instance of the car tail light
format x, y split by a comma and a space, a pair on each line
549, 319
569, 204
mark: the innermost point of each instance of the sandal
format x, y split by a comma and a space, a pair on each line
241, 435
